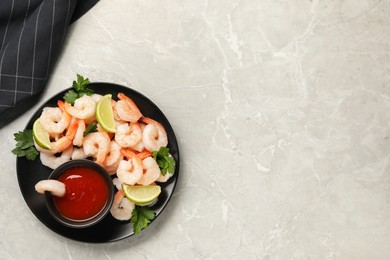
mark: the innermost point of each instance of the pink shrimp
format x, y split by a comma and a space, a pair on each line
97, 145
79, 136
83, 108
122, 208
62, 143
154, 135
151, 172
113, 158
128, 135
130, 171
116, 116
126, 109
52, 161
54, 119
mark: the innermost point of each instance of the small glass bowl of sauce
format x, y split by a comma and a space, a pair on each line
88, 197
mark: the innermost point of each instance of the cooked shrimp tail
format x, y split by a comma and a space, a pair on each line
144, 154
61, 105
128, 152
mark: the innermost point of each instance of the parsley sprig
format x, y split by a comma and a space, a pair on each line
25, 145
90, 129
141, 217
80, 88
164, 160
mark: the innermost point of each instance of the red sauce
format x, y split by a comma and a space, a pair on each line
86, 193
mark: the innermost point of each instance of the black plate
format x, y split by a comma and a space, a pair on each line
110, 229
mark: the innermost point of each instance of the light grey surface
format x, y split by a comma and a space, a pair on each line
281, 110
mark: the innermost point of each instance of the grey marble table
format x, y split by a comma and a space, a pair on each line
282, 113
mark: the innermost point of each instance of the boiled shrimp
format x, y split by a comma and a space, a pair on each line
97, 145
117, 183
126, 108
115, 113
138, 146
96, 97
78, 153
55, 187
164, 178
79, 136
130, 171
54, 120
151, 171
52, 161
122, 208
154, 135
62, 143
128, 135
113, 158
83, 108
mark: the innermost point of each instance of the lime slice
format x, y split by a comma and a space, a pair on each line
104, 114
141, 195
41, 136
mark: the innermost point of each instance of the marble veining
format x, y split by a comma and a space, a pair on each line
281, 110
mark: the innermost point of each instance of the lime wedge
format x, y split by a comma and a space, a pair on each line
41, 136
104, 114
141, 195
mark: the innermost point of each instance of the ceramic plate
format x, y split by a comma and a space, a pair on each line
110, 229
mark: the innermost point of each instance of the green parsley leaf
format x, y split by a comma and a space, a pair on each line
25, 145
90, 129
81, 85
71, 96
165, 161
31, 153
141, 217
79, 89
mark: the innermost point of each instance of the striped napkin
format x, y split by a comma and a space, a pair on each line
31, 36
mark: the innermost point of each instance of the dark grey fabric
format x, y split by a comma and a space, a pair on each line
31, 36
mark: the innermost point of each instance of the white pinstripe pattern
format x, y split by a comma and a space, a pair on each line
19, 91
66, 21
6, 28
21, 76
5, 36
2, 58
17, 55
51, 38
35, 44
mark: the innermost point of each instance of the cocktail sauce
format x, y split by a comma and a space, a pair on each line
86, 193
